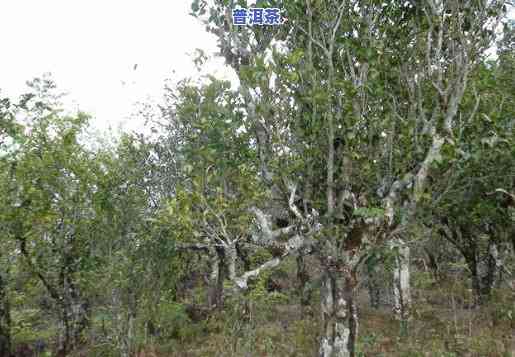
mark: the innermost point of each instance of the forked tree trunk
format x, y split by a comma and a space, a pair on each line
5, 319
339, 316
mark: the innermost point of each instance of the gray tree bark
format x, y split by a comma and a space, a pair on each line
339, 316
216, 278
485, 272
124, 306
74, 316
401, 281
231, 255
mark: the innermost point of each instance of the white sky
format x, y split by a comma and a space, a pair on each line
91, 47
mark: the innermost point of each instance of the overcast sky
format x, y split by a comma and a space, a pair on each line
91, 47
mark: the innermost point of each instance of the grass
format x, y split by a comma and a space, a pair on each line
446, 327
443, 324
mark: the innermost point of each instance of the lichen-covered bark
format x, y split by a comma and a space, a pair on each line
339, 315
485, 272
401, 281
231, 255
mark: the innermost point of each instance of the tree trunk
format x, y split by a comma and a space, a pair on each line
80, 321
433, 264
485, 272
373, 280
63, 337
231, 255
503, 272
212, 296
244, 257
132, 304
124, 305
477, 288
216, 279
339, 316
5, 319
303, 279
74, 318
401, 281
127, 342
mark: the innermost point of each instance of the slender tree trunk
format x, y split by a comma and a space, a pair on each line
479, 299
127, 342
401, 281
64, 340
132, 304
485, 272
63, 337
212, 296
373, 281
503, 272
231, 254
494, 264
220, 280
124, 306
339, 315
216, 279
303, 279
75, 310
433, 264
74, 320
119, 324
79, 318
5, 319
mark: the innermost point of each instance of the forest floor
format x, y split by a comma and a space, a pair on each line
443, 324
273, 324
